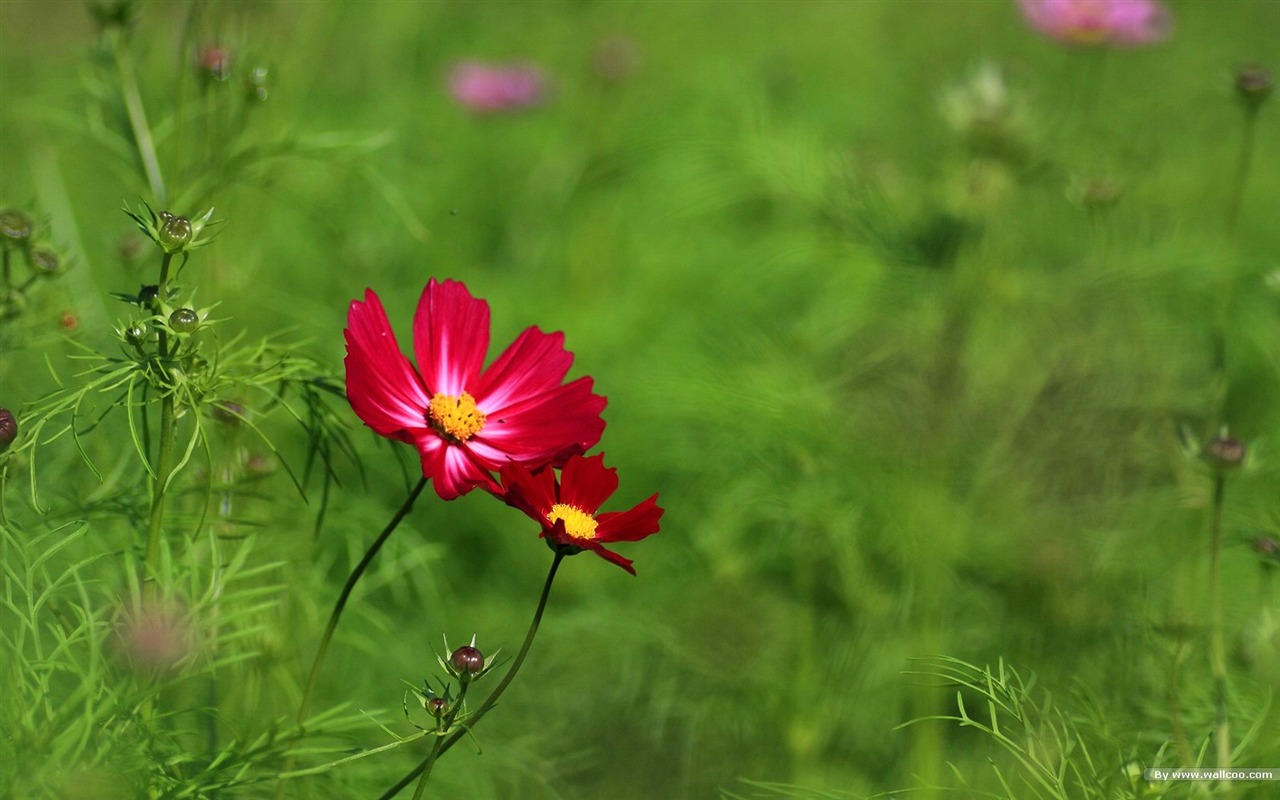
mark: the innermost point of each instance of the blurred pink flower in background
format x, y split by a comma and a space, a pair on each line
1088, 22
154, 636
486, 88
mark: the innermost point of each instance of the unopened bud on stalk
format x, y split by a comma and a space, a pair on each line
45, 262
1254, 85
437, 707
147, 295
214, 63
1225, 452
135, 334
467, 663
175, 233
8, 429
15, 228
184, 320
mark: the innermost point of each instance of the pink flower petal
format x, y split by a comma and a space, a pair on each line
450, 337
382, 386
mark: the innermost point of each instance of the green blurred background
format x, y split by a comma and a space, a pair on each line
905, 389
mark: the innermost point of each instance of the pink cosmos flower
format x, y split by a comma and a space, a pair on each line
485, 88
569, 509
1087, 22
465, 421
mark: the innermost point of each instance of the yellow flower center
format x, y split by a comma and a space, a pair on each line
577, 523
455, 418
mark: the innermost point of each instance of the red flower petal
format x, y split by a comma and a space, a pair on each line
535, 362
532, 494
542, 429
632, 525
450, 337
382, 386
612, 557
585, 483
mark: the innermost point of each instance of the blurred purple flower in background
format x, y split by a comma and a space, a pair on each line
487, 88
1090, 22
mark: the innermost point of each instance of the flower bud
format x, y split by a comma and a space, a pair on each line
1225, 452
214, 63
69, 321
255, 85
135, 334
147, 295
1268, 549
175, 233
437, 707
228, 413
1254, 85
8, 429
184, 320
467, 663
15, 228
45, 262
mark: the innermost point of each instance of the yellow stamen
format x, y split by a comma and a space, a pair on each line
577, 523
455, 418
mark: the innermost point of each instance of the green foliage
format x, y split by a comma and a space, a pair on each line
905, 311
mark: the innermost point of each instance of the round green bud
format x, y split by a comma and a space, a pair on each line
15, 227
45, 262
184, 320
175, 233
136, 334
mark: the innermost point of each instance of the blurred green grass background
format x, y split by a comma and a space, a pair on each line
898, 401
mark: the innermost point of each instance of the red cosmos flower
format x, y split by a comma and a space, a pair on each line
568, 509
467, 421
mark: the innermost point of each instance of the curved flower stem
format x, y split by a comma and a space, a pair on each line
1217, 650
325, 640
489, 702
347, 588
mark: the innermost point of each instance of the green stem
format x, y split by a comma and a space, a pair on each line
347, 588
164, 456
138, 119
1217, 649
491, 700
438, 746
1235, 200
1243, 162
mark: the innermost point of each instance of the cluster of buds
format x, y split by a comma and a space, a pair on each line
172, 233
465, 665
21, 235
